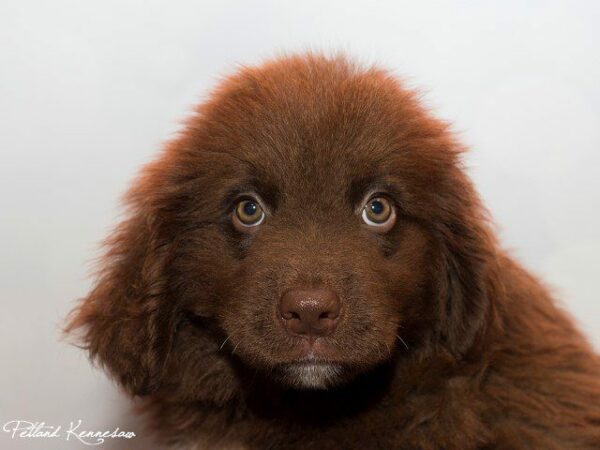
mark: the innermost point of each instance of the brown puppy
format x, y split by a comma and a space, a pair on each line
307, 266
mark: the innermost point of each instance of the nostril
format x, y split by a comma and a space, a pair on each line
294, 315
328, 315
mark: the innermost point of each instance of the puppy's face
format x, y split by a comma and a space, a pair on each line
296, 229
315, 268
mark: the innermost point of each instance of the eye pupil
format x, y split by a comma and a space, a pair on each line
377, 207
250, 208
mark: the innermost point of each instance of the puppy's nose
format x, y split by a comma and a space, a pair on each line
310, 312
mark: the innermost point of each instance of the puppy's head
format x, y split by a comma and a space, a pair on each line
310, 223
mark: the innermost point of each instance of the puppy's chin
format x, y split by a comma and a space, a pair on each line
312, 375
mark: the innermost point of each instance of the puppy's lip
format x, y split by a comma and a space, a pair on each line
313, 363
311, 374
312, 360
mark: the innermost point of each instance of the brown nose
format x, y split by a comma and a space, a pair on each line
310, 312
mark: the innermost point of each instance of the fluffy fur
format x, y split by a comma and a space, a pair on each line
445, 341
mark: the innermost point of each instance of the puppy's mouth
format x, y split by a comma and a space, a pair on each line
310, 373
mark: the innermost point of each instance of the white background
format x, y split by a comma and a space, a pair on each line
90, 90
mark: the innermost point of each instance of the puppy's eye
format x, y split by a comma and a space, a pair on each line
247, 214
380, 214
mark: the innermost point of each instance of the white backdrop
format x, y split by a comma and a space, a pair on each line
90, 90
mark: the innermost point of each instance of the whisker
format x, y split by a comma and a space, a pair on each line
402, 340
224, 342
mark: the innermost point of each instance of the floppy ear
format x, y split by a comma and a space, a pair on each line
127, 322
468, 275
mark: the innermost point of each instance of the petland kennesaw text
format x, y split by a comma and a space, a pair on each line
18, 429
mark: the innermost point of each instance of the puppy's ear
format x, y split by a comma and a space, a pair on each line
468, 276
127, 322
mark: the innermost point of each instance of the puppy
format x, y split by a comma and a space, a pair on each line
307, 266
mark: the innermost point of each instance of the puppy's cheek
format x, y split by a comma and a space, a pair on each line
368, 337
387, 296
199, 369
250, 324
410, 272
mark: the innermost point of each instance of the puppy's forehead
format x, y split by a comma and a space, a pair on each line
310, 124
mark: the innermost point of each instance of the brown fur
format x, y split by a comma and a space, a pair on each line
445, 341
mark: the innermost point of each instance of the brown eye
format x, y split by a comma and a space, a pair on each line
248, 213
379, 213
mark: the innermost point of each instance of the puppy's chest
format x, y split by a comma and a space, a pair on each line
409, 425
